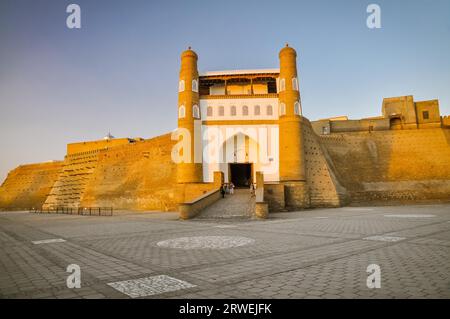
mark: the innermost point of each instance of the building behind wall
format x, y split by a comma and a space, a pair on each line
398, 113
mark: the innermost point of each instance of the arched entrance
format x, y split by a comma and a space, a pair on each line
395, 123
241, 154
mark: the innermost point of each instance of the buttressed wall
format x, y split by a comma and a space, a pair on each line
27, 186
325, 190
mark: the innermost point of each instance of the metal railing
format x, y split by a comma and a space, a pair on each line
85, 211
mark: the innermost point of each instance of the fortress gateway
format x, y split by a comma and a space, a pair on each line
246, 126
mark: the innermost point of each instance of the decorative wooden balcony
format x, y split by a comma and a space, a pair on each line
240, 96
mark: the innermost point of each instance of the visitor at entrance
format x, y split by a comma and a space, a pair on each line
231, 187
252, 189
222, 191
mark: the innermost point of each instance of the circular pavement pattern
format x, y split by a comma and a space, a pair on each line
206, 242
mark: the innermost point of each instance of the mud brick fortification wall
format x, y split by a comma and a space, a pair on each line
28, 186
446, 121
349, 167
137, 176
325, 189
395, 165
71, 182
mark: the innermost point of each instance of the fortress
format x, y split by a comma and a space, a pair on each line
246, 126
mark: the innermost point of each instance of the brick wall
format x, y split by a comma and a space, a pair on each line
27, 186
139, 176
274, 196
446, 121
400, 165
324, 188
73, 178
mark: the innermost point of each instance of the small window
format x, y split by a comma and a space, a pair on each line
221, 111
282, 109
181, 86
297, 108
295, 84
245, 110
194, 85
257, 110
282, 85
209, 111
233, 111
425, 115
181, 112
269, 110
196, 111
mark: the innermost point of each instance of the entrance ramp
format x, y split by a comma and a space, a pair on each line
238, 205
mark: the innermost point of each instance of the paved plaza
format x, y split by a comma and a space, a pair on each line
320, 253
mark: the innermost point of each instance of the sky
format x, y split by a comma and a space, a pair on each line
118, 73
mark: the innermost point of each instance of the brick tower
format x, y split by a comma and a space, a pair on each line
189, 118
292, 162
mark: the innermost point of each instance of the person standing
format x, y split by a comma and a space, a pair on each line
222, 191
252, 189
231, 188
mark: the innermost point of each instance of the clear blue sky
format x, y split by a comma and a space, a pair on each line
119, 72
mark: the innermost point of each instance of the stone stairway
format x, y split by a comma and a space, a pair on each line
238, 205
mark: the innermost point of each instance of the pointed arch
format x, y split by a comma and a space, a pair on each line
181, 112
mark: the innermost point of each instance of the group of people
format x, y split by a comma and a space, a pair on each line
228, 188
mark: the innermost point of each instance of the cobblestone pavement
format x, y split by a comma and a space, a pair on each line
321, 253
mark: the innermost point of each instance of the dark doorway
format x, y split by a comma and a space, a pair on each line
241, 174
395, 123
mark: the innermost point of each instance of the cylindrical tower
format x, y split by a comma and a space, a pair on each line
292, 165
292, 162
189, 118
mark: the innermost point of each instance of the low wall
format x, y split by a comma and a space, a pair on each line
261, 210
274, 197
191, 209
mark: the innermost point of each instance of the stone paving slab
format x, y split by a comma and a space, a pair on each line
290, 255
